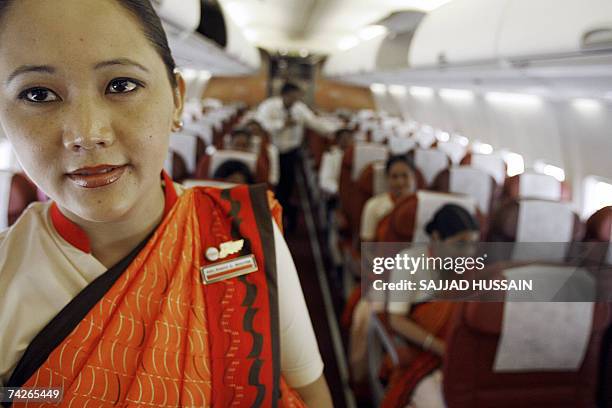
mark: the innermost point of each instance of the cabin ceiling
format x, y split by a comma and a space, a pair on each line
316, 26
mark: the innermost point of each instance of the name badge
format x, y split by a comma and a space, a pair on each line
229, 269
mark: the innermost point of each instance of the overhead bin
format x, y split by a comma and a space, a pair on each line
384, 52
201, 37
544, 27
458, 32
475, 32
181, 14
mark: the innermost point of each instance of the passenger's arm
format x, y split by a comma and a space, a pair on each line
416, 334
316, 394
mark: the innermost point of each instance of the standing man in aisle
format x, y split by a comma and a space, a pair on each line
284, 117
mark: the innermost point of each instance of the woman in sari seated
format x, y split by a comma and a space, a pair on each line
126, 289
401, 181
424, 323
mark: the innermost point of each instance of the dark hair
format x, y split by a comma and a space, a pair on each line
402, 158
231, 167
289, 87
340, 131
451, 219
151, 27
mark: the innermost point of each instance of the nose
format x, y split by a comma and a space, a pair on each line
87, 126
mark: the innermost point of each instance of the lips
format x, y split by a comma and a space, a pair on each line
97, 176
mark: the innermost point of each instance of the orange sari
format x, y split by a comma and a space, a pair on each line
415, 363
159, 336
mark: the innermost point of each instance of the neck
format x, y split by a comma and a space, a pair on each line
112, 241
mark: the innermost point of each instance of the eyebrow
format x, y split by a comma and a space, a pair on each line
46, 69
122, 62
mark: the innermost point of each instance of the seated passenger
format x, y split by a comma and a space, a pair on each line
331, 163
234, 171
266, 150
401, 182
113, 287
424, 323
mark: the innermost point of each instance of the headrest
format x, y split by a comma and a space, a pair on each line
401, 144
425, 139
429, 203
6, 177
492, 164
430, 162
221, 156
534, 336
380, 178
534, 185
599, 226
544, 221
186, 146
455, 151
474, 183
366, 153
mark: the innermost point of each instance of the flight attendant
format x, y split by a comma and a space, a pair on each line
284, 118
125, 288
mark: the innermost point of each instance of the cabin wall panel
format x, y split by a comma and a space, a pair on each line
248, 89
332, 95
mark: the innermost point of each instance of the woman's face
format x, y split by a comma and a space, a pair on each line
399, 179
81, 87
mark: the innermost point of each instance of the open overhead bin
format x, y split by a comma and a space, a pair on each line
202, 38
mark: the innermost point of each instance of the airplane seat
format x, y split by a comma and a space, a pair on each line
487, 365
535, 221
491, 163
536, 186
399, 145
408, 220
455, 151
317, 144
472, 182
186, 145
430, 162
175, 166
211, 162
17, 193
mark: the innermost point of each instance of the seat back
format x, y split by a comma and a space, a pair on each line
186, 145
430, 162
455, 151
490, 163
366, 153
470, 181
533, 185
483, 338
536, 221
17, 192
175, 166
410, 216
401, 144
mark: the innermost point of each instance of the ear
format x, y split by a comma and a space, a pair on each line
178, 97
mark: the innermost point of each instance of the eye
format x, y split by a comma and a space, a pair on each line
122, 85
39, 95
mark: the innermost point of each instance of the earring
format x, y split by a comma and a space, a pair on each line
177, 125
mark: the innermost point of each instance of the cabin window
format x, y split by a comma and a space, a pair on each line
597, 194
